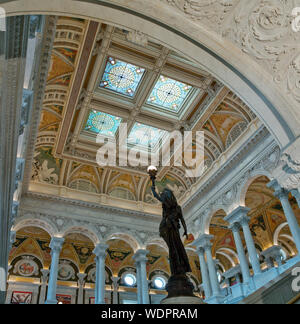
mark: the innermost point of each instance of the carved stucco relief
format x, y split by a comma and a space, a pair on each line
266, 30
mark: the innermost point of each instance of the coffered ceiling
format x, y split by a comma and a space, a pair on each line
101, 77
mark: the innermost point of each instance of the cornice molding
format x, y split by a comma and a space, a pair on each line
80, 203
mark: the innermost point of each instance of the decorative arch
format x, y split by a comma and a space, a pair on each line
174, 28
134, 243
209, 216
244, 187
277, 232
159, 242
227, 256
28, 221
84, 230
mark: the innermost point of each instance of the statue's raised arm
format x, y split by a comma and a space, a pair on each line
155, 194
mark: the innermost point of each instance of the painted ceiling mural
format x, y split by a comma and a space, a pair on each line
98, 78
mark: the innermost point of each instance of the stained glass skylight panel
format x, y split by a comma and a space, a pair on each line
121, 77
169, 94
145, 136
105, 124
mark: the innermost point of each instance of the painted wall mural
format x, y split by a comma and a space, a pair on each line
21, 297
46, 168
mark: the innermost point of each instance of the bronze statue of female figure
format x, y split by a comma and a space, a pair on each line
179, 284
169, 231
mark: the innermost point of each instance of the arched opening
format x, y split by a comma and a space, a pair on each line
223, 248
28, 259
266, 213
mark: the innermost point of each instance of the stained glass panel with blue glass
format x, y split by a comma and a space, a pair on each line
121, 77
169, 94
145, 136
105, 124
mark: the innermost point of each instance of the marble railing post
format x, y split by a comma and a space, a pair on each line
44, 279
204, 273
100, 252
141, 259
283, 196
81, 282
241, 253
56, 246
115, 284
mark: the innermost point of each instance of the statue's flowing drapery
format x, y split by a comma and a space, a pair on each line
169, 231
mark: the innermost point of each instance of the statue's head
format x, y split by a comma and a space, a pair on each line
168, 198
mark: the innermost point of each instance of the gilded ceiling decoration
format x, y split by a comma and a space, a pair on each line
97, 80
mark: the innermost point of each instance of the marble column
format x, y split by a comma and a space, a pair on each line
141, 259
115, 284
204, 273
283, 196
296, 194
241, 253
254, 259
212, 271
239, 216
81, 282
44, 279
56, 246
100, 252
205, 242
139, 284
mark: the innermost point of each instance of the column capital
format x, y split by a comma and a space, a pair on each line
45, 274
81, 277
279, 191
204, 242
237, 215
236, 227
115, 282
296, 193
140, 256
200, 251
56, 244
100, 250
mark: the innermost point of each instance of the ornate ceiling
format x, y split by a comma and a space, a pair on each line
101, 76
